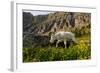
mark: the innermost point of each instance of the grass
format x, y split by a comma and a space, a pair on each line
81, 51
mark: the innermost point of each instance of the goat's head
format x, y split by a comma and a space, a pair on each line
52, 39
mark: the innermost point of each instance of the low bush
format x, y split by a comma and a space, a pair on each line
81, 51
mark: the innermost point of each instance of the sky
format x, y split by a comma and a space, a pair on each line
35, 13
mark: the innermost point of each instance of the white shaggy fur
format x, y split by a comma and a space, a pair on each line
62, 37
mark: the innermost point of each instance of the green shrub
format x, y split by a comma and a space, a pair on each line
75, 52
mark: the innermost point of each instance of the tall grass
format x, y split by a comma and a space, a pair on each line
50, 53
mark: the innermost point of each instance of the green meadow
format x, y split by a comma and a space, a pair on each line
80, 51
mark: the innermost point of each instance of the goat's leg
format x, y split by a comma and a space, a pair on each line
65, 43
57, 43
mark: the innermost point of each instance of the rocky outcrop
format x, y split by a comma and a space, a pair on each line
27, 21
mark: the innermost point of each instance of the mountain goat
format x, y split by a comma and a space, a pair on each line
62, 37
